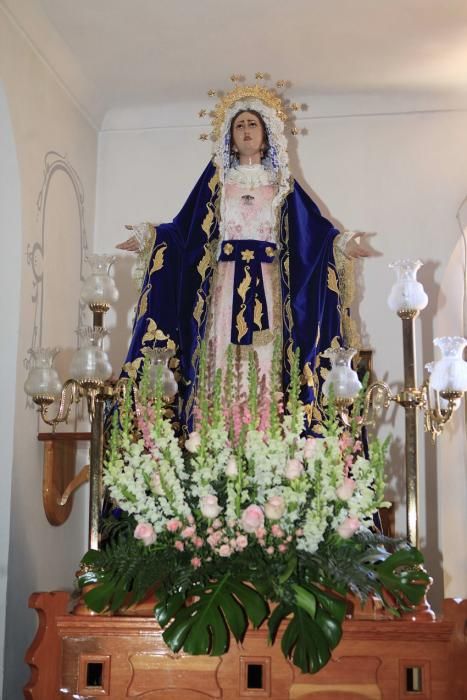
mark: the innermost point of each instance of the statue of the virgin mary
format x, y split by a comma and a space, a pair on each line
248, 259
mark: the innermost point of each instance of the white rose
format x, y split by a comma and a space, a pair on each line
346, 489
348, 527
210, 507
294, 469
274, 508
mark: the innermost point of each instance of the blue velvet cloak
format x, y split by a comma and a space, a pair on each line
173, 305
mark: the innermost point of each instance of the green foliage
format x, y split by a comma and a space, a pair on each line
401, 582
123, 573
314, 629
199, 610
203, 626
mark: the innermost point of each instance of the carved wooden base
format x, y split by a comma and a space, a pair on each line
120, 657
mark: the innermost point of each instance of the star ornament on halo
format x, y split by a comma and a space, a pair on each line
270, 96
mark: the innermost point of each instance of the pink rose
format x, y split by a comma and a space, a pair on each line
260, 532
198, 542
241, 542
310, 448
277, 531
348, 527
179, 545
193, 442
224, 550
174, 525
274, 508
282, 548
252, 518
188, 532
209, 506
231, 468
215, 538
270, 550
346, 489
294, 469
196, 562
217, 523
145, 533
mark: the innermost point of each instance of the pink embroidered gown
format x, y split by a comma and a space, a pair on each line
248, 214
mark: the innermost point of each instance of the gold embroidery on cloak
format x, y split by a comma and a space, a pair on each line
258, 313
346, 285
143, 303
131, 368
206, 267
197, 313
244, 285
240, 324
144, 256
158, 263
332, 280
205, 263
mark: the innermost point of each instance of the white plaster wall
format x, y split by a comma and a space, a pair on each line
10, 275
452, 451
394, 168
44, 119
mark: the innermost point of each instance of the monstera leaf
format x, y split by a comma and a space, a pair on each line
204, 626
402, 577
314, 629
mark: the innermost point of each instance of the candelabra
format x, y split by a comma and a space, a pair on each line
438, 396
90, 371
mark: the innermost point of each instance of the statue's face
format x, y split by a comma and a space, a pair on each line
248, 135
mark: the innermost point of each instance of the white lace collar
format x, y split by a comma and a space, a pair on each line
251, 175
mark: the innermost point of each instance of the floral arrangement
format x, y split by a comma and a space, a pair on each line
247, 512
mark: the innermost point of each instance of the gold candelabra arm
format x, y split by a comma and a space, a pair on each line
411, 397
378, 387
71, 394
437, 417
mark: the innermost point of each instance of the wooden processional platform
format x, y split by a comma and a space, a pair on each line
83, 656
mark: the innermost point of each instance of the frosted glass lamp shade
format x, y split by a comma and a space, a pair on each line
449, 373
159, 358
341, 376
90, 362
407, 294
42, 380
99, 287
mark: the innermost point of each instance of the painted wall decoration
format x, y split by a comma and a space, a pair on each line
59, 174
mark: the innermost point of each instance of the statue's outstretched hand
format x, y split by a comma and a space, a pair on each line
135, 243
131, 245
359, 247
